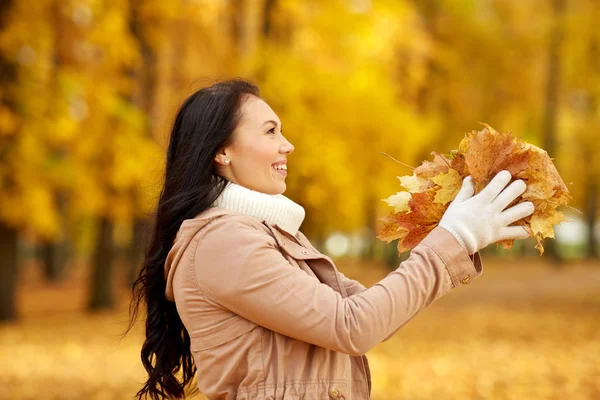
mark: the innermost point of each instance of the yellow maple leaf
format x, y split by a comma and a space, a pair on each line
399, 201
543, 223
413, 183
450, 183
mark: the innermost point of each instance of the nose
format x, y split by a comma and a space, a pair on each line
288, 147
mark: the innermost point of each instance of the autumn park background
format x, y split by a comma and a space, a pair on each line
88, 92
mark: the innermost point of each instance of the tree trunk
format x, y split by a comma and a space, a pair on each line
390, 255
590, 151
426, 98
146, 79
54, 260
592, 214
8, 235
8, 272
137, 251
268, 16
371, 221
55, 254
592, 186
239, 30
102, 296
552, 109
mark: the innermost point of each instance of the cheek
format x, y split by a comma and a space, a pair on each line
261, 156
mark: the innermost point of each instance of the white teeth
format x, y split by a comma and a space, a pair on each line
283, 166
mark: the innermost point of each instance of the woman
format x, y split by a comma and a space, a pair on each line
236, 292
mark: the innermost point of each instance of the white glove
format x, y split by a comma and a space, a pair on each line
477, 221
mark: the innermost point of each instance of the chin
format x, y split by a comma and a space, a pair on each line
283, 187
273, 190
279, 189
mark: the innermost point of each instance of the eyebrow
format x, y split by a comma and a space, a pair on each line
266, 122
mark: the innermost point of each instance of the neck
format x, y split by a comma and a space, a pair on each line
275, 209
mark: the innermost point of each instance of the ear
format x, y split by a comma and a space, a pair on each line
220, 157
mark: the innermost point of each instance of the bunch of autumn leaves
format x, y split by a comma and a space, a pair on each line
434, 184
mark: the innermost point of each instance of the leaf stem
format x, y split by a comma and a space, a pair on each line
566, 205
399, 162
575, 209
442, 157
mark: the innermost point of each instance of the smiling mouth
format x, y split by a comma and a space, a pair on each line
280, 171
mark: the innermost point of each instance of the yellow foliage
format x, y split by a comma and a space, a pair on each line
348, 79
8, 122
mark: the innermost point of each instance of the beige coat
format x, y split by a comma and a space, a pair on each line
270, 317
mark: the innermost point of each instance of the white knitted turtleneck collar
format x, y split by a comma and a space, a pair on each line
275, 209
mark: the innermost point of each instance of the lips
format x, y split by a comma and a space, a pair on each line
283, 172
280, 162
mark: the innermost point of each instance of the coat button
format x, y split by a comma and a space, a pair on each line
466, 279
304, 252
334, 393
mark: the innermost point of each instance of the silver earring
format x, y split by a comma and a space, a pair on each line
227, 161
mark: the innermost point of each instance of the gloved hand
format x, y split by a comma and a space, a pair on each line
477, 221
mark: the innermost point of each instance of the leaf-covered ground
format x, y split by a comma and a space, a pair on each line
521, 331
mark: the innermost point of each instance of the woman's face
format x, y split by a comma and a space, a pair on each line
257, 143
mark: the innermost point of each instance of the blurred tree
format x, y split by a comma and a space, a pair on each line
8, 232
580, 144
26, 184
118, 129
101, 282
144, 97
55, 249
8, 273
552, 99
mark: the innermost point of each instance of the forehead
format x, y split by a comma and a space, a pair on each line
256, 111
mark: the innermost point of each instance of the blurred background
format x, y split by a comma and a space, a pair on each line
88, 93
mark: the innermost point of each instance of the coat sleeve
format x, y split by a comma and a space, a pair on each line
238, 265
476, 259
352, 286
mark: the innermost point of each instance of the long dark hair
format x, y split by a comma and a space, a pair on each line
204, 124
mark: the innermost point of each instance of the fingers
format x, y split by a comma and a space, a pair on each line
517, 212
513, 232
507, 196
466, 191
496, 185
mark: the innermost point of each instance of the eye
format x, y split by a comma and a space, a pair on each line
272, 130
